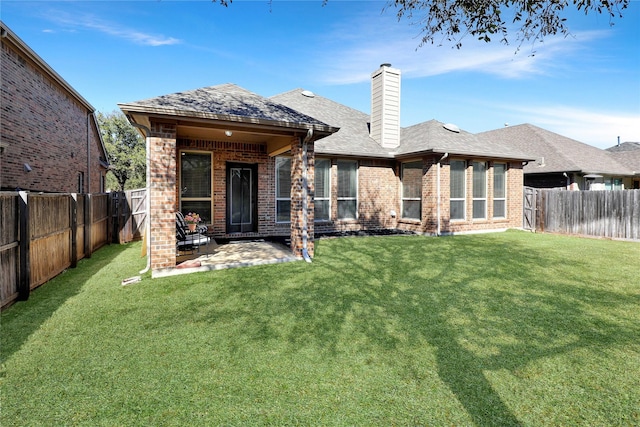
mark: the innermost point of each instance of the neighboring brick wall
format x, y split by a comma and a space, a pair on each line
43, 125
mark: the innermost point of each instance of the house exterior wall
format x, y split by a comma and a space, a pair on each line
514, 201
47, 127
378, 187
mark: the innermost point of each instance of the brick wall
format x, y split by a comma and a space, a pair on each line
45, 126
162, 195
513, 217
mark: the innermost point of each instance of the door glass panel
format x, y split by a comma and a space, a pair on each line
240, 196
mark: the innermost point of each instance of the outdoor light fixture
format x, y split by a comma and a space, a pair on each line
27, 168
228, 132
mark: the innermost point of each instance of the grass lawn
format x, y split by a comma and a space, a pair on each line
496, 329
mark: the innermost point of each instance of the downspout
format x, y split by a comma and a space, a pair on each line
305, 193
438, 192
147, 226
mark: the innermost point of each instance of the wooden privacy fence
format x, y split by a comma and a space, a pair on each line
41, 235
611, 214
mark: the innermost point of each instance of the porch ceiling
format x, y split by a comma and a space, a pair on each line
276, 144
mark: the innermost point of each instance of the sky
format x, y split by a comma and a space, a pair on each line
585, 86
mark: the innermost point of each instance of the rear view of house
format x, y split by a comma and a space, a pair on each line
298, 164
49, 137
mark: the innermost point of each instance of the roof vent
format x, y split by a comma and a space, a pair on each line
451, 127
308, 93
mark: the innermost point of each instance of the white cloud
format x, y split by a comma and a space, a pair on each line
597, 128
91, 22
370, 40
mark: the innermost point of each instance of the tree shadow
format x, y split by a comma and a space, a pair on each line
23, 318
408, 290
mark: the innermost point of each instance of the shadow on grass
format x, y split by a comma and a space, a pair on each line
484, 303
23, 318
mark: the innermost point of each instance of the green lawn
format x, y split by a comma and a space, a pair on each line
497, 329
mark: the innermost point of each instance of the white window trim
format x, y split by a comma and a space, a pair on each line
196, 199
339, 199
328, 196
464, 192
279, 199
505, 191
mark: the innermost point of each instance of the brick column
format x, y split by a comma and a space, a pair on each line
298, 183
162, 195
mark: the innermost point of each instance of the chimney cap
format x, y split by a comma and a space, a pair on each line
386, 64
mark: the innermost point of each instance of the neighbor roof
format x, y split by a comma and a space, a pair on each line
226, 102
353, 137
625, 146
554, 152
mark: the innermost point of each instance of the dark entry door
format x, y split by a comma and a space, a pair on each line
242, 195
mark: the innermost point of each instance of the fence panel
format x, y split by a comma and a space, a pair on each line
9, 249
613, 214
50, 230
47, 243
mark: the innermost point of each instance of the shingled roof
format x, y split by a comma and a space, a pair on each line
556, 153
628, 154
227, 102
353, 137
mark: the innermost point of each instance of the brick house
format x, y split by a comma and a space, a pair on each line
49, 137
298, 164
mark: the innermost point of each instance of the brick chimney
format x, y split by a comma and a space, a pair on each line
385, 106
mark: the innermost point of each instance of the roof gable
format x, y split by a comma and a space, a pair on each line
227, 102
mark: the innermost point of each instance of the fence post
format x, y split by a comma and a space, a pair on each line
73, 207
24, 284
88, 217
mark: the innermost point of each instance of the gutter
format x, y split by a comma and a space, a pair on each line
438, 231
147, 226
305, 193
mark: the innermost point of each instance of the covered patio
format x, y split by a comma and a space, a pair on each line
213, 151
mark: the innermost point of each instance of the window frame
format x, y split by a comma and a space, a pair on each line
482, 198
502, 199
327, 197
182, 198
277, 188
404, 198
462, 199
347, 198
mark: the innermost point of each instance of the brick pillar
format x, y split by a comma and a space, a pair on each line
162, 195
298, 183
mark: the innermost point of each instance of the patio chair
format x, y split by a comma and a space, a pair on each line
189, 241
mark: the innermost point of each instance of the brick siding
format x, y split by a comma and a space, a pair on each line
43, 125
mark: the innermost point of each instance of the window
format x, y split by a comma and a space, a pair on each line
457, 189
283, 189
322, 200
195, 184
347, 189
412, 190
479, 190
499, 190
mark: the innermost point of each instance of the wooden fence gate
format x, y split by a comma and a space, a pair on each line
129, 214
529, 209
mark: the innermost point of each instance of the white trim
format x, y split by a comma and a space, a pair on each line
277, 186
